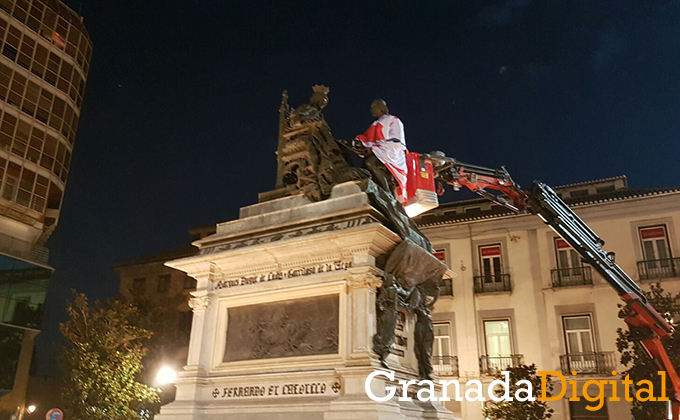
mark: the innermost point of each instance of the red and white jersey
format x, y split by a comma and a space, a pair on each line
386, 139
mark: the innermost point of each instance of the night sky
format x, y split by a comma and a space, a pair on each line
179, 122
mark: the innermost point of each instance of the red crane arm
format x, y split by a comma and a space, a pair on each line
645, 324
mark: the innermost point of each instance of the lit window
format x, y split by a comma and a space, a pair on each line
497, 334
578, 332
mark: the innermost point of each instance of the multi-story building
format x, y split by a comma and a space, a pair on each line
45, 55
523, 296
149, 277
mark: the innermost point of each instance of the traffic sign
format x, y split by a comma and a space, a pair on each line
54, 414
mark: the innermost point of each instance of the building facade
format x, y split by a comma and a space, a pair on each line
523, 296
45, 55
148, 277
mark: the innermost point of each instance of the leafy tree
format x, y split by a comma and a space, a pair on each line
525, 410
639, 365
10, 347
160, 315
102, 359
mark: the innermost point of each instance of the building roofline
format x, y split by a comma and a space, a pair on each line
594, 181
162, 256
610, 197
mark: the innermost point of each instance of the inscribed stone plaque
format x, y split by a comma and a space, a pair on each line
300, 327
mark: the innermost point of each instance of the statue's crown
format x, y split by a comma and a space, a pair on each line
321, 89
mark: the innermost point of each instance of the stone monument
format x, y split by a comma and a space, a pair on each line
312, 289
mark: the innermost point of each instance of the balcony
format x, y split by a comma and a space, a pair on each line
602, 363
492, 283
567, 277
445, 365
659, 269
493, 365
17, 248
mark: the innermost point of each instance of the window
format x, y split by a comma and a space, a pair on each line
578, 193
443, 361
491, 263
189, 282
442, 340
163, 283
447, 284
473, 210
578, 411
567, 258
497, 334
654, 242
570, 269
602, 190
578, 336
656, 252
139, 285
498, 347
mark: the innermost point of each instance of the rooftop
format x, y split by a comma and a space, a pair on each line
575, 195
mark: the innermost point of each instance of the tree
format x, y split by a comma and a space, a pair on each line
639, 365
10, 347
102, 359
160, 315
525, 410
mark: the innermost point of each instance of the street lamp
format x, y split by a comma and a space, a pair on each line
30, 409
166, 375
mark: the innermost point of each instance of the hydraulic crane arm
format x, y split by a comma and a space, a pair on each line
646, 325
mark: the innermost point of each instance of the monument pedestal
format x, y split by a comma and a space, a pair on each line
284, 316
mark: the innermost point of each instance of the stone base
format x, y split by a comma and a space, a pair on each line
340, 402
285, 314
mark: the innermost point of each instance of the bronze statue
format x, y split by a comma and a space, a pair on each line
310, 159
311, 162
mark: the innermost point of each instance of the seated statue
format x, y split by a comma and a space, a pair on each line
311, 162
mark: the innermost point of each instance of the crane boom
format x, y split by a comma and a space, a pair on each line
646, 325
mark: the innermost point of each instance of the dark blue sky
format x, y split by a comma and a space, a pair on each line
179, 121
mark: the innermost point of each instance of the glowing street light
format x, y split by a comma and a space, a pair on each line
166, 375
31, 408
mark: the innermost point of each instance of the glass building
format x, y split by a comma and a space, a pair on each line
45, 56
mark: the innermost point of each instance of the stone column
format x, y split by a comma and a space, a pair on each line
197, 363
362, 285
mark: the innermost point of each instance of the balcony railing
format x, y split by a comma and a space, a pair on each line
659, 269
491, 283
24, 250
493, 365
589, 363
576, 276
445, 365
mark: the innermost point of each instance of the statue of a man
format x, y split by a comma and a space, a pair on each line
386, 141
